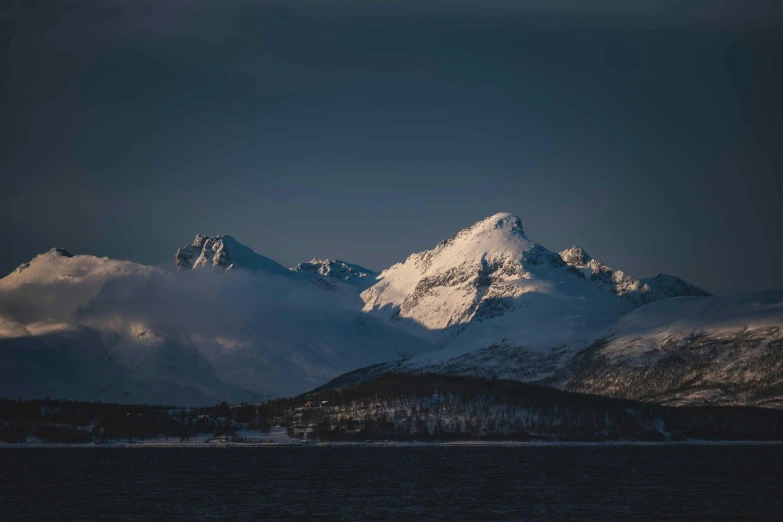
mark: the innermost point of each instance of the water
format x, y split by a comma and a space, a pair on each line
394, 483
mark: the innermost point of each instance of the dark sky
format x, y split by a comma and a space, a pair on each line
649, 133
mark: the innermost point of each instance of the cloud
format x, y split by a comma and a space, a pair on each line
209, 303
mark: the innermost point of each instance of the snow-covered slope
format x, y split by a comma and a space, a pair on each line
493, 300
224, 253
92, 328
689, 350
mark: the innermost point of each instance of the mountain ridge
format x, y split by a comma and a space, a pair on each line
489, 302
491, 285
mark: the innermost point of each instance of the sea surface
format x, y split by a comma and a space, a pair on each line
695, 482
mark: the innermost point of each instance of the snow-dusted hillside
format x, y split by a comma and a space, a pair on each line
690, 350
92, 328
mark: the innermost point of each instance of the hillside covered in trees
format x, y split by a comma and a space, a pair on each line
401, 407
442, 407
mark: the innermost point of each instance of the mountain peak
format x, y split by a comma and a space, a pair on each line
51, 254
576, 256
200, 240
490, 283
503, 221
225, 253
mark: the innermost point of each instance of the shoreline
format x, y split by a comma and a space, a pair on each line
392, 444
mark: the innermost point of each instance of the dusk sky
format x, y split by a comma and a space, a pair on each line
649, 133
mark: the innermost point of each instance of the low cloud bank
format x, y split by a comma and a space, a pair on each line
209, 303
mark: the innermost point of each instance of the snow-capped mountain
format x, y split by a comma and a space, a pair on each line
90, 328
714, 350
499, 305
487, 302
338, 271
224, 253
491, 296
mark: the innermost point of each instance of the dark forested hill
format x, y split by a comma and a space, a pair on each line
435, 406
424, 407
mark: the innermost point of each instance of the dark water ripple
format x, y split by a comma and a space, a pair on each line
388, 483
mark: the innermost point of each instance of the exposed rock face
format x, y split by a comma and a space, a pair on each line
575, 257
